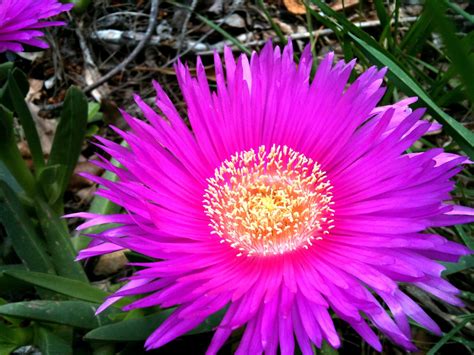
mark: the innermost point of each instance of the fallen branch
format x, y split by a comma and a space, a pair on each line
136, 50
131, 37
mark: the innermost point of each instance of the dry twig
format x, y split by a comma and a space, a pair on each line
141, 44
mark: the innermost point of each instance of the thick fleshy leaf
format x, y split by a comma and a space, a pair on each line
130, 329
5, 175
26, 242
73, 313
58, 242
15, 335
9, 286
65, 286
379, 56
11, 157
50, 343
7, 348
16, 88
4, 69
68, 138
141, 328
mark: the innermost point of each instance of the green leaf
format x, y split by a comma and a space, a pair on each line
7, 348
50, 343
209, 323
17, 83
59, 243
448, 336
469, 344
4, 69
17, 223
382, 14
465, 263
339, 22
327, 349
14, 335
461, 134
93, 114
69, 137
21, 81
417, 35
8, 178
139, 329
10, 155
80, 6
72, 313
466, 238
456, 8
131, 329
62, 285
9, 286
458, 53
49, 179
379, 56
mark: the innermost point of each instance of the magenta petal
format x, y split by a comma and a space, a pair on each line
19, 18
289, 201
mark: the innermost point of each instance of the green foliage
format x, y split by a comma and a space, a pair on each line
26, 242
77, 314
140, 328
129, 330
59, 243
450, 335
80, 6
16, 171
457, 52
68, 140
403, 80
17, 85
50, 343
58, 284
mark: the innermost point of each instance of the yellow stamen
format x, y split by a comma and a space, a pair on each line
269, 202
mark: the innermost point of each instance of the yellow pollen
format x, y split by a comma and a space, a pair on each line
269, 202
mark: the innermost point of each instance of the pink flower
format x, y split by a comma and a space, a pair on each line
20, 21
291, 199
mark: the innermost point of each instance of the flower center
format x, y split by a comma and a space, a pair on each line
269, 202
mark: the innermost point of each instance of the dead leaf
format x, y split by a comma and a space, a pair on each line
46, 129
284, 27
78, 182
25, 153
295, 6
34, 92
85, 195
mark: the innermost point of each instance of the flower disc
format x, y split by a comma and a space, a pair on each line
269, 201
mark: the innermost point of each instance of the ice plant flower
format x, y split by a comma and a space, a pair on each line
290, 200
20, 21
